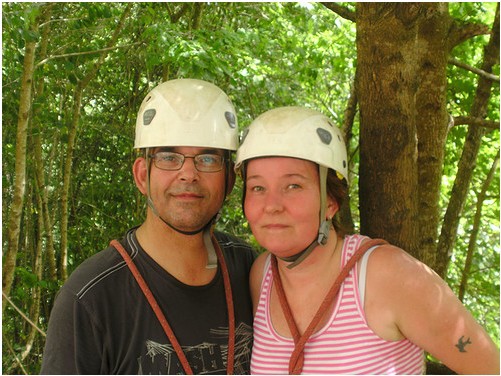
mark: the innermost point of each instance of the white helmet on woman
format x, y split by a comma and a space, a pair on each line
295, 132
302, 133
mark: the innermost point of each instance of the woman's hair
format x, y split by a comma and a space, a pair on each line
337, 189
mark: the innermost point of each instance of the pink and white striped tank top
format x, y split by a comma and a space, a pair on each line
346, 345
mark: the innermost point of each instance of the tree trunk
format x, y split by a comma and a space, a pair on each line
77, 103
468, 158
472, 244
44, 210
387, 67
432, 123
34, 310
16, 210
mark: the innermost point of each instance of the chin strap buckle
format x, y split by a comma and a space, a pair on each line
323, 232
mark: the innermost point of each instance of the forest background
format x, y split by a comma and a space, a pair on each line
414, 87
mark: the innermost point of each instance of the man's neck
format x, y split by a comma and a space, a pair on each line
183, 256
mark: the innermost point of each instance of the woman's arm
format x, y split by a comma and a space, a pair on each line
417, 303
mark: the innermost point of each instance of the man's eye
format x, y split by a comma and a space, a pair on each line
169, 158
208, 159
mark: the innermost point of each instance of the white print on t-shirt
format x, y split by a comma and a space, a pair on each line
204, 358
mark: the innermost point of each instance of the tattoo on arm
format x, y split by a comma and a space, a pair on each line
462, 344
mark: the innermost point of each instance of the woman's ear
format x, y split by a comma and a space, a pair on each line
332, 208
140, 172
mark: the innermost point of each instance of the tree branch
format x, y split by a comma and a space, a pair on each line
480, 72
22, 314
461, 32
476, 121
344, 12
174, 17
83, 53
16, 358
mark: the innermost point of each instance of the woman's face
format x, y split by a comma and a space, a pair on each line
282, 203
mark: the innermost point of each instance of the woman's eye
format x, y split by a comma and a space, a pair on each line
256, 188
293, 186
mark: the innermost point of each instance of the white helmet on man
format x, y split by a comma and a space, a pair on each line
302, 133
187, 112
192, 113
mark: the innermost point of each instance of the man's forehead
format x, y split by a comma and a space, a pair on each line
189, 150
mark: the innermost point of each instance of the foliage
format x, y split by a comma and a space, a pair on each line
263, 54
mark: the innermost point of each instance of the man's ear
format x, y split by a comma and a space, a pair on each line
231, 176
140, 172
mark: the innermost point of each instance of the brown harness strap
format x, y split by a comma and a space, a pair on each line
161, 317
229, 305
296, 361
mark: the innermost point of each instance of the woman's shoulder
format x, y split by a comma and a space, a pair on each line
259, 264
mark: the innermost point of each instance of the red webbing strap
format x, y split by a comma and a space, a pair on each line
231, 312
297, 357
154, 305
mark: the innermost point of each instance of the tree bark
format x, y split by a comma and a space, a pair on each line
34, 310
345, 215
16, 210
387, 66
432, 122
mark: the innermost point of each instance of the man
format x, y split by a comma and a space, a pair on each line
173, 296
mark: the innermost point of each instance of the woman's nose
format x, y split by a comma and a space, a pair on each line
273, 202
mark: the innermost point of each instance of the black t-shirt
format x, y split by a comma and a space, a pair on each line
101, 322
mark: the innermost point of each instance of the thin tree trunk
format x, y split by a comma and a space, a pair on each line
431, 104
34, 310
16, 210
468, 158
472, 245
39, 161
77, 103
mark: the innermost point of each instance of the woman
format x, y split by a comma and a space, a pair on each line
389, 309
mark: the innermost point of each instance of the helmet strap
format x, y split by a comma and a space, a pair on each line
211, 251
324, 224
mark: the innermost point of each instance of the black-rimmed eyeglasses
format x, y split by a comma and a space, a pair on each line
170, 161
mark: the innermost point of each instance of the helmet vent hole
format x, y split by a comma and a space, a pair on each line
324, 135
148, 116
231, 119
